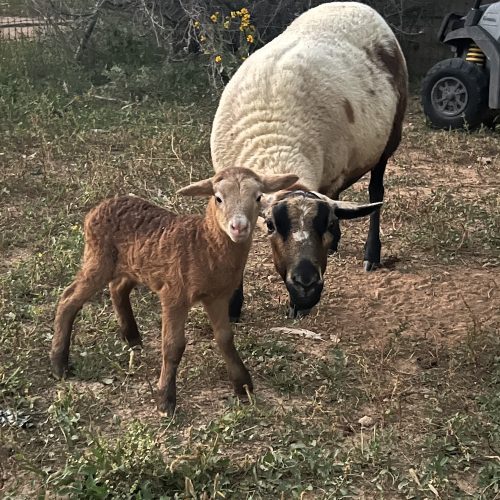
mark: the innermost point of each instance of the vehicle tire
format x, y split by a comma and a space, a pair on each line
455, 94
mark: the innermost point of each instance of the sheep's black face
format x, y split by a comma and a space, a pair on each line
301, 226
299, 230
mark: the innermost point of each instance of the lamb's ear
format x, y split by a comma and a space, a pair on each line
271, 183
200, 188
351, 210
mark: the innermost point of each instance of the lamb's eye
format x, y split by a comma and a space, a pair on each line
218, 199
270, 226
259, 198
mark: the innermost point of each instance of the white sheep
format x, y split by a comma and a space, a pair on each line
324, 100
183, 259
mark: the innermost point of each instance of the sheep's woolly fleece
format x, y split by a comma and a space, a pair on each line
320, 100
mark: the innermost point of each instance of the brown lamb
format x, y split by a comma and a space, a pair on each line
185, 259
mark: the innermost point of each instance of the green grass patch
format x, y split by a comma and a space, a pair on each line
72, 135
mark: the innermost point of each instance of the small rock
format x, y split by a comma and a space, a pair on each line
485, 160
366, 421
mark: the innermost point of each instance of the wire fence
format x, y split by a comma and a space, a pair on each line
18, 28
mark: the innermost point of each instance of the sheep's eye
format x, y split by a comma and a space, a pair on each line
270, 226
218, 199
259, 198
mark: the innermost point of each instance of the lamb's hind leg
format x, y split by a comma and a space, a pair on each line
120, 289
86, 284
376, 191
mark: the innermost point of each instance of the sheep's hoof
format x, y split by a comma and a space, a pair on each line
333, 249
234, 319
370, 266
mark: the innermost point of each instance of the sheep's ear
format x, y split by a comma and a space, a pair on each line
271, 183
266, 202
200, 188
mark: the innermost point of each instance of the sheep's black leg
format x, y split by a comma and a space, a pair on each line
376, 191
236, 303
336, 232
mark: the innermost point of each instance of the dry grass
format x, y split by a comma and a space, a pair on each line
414, 346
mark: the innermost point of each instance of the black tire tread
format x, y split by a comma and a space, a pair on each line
476, 77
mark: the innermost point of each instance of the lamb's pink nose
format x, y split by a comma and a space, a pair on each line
239, 227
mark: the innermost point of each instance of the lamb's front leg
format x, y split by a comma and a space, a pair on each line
173, 343
238, 374
236, 304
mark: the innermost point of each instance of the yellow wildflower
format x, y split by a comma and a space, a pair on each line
214, 17
245, 21
218, 59
244, 10
233, 14
203, 38
197, 24
226, 24
249, 38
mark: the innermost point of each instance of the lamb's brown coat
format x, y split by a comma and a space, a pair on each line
184, 259
186, 256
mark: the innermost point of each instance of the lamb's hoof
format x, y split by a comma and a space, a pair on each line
167, 408
132, 339
295, 313
59, 373
242, 390
135, 345
234, 319
60, 369
370, 266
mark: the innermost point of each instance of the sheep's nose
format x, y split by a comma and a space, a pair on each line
305, 281
306, 276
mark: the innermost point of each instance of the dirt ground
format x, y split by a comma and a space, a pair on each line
410, 348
